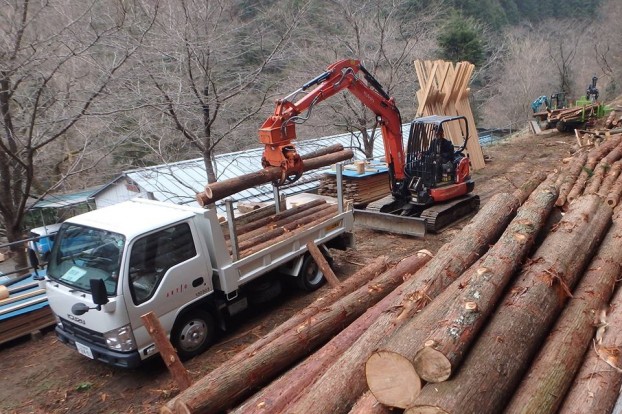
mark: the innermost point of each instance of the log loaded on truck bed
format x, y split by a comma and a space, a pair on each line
111, 266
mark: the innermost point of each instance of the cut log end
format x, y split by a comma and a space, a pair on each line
397, 390
165, 410
431, 365
426, 409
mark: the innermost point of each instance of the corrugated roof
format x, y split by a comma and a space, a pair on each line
179, 182
66, 200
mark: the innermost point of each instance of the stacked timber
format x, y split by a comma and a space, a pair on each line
361, 190
265, 228
23, 309
445, 91
517, 313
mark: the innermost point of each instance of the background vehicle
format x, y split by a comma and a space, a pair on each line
126, 260
418, 176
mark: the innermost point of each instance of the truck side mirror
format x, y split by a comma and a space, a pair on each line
98, 291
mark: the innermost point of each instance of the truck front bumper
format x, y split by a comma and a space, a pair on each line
118, 359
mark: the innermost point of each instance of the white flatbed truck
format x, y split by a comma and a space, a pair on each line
110, 266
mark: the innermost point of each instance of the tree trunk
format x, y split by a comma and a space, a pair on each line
613, 197
597, 384
287, 219
593, 157
227, 384
601, 169
271, 234
550, 375
610, 179
222, 189
368, 404
292, 229
276, 396
272, 218
570, 177
450, 338
498, 359
343, 383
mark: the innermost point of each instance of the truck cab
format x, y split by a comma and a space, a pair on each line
110, 266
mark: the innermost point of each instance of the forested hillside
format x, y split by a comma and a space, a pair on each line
92, 88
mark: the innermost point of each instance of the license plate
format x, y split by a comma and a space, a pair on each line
84, 350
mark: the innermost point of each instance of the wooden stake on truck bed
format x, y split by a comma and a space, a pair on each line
498, 359
320, 260
550, 375
167, 352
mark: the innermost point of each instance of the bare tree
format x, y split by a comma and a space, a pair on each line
58, 59
523, 75
383, 39
208, 63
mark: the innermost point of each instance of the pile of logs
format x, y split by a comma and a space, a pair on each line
516, 313
262, 228
361, 190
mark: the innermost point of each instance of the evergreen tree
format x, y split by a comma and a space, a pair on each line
460, 41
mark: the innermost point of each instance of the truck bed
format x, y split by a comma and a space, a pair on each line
266, 239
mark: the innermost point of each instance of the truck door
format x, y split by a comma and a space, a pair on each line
167, 269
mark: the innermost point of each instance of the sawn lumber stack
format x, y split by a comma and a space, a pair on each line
361, 190
515, 313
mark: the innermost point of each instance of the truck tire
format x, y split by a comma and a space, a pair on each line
310, 277
193, 333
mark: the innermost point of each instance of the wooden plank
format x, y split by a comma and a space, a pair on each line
319, 258
23, 305
168, 353
13, 299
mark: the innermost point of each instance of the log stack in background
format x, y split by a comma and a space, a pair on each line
361, 190
493, 319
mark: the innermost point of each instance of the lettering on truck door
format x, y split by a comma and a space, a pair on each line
164, 271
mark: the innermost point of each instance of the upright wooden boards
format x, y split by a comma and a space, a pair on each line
444, 91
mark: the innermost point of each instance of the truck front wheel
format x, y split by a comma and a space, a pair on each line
310, 277
193, 333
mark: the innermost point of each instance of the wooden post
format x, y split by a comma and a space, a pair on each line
323, 264
168, 353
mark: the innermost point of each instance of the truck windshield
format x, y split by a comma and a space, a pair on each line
83, 253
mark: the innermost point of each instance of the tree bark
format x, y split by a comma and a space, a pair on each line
276, 396
550, 375
269, 235
593, 157
342, 384
597, 384
610, 179
450, 338
570, 177
498, 359
289, 218
601, 169
368, 404
262, 221
613, 197
227, 384
222, 189
292, 229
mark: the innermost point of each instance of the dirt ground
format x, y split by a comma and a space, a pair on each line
41, 375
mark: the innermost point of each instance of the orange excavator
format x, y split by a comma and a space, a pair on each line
430, 181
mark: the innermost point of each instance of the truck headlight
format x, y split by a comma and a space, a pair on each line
120, 339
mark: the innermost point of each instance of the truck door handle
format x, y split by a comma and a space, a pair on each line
197, 282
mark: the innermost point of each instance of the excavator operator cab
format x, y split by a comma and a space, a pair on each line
433, 161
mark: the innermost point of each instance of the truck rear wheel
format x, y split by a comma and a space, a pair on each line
193, 333
310, 277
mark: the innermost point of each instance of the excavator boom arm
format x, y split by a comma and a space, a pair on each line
278, 131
